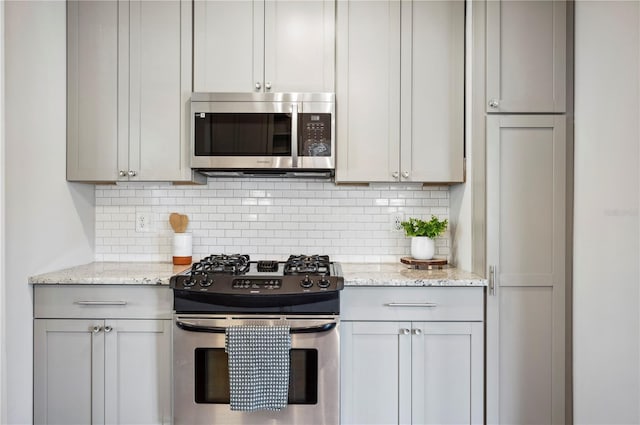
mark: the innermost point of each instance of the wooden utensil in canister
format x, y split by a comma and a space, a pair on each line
184, 222
175, 221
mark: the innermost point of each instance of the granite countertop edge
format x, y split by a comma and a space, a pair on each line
159, 273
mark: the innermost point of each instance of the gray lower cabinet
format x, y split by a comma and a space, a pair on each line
98, 366
408, 360
526, 214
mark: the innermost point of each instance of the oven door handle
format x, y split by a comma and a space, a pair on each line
192, 327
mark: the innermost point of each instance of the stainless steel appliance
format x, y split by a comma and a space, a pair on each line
276, 132
222, 291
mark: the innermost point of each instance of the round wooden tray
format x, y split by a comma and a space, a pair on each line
424, 264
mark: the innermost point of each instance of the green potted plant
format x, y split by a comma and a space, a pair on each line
422, 234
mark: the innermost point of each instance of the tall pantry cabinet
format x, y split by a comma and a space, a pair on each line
526, 160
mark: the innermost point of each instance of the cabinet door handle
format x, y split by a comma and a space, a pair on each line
96, 329
267, 85
417, 332
411, 304
132, 173
100, 302
405, 331
395, 174
493, 103
122, 173
108, 329
492, 280
294, 135
405, 174
258, 85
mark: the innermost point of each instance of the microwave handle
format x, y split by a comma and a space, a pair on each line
220, 329
294, 135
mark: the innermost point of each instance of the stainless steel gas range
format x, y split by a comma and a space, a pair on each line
222, 292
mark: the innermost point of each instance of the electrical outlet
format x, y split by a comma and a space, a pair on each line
396, 219
143, 222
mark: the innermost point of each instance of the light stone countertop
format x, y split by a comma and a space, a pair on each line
392, 274
112, 273
157, 273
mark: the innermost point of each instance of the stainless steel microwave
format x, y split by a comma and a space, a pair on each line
288, 132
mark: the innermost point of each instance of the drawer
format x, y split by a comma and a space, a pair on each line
102, 302
412, 303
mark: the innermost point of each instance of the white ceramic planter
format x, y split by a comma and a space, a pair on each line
422, 248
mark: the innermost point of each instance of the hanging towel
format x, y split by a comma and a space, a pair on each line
258, 366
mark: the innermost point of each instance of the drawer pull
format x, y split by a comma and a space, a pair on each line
411, 304
100, 302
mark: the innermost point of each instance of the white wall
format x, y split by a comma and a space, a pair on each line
49, 222
3, 392
606, 235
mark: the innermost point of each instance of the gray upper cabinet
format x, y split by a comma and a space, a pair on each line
92, 90
264, 46
400, 91
129, 82
526, 56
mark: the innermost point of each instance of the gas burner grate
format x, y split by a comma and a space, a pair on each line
220, 263
267, 266
307, 264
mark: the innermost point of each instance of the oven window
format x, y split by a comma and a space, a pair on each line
212, 376
242, 134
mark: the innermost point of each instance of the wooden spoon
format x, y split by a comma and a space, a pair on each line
175, 221
184, 222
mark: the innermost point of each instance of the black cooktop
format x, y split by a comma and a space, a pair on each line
234, 283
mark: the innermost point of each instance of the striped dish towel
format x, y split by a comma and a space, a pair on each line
258, 366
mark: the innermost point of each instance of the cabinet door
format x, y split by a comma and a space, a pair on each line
299, 46
432, 91
525, 243
526, 49
68, 372
447, 373
158, 89
375, 373
228, 53
137, 372
92, 90
367, 91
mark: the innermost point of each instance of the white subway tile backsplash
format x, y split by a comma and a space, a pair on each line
266, 218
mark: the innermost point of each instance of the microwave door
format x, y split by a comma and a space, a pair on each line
243, 136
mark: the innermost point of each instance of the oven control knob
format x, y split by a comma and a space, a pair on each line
306, 282
189, 282
206, 282
324, 282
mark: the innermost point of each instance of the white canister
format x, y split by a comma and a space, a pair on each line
182, 248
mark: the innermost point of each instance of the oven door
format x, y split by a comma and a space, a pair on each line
201, 374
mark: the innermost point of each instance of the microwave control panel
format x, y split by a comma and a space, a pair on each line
315, 137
